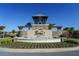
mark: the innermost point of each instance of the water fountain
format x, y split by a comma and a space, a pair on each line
40, 32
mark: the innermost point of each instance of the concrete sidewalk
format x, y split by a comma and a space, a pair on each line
39, 50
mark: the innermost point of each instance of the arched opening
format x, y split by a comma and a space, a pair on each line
40, 22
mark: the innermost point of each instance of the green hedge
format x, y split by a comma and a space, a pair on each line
72, 41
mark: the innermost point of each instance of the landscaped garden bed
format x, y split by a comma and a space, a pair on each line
41, 45
8, 42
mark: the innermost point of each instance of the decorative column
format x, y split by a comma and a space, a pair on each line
59, 29
35, 21
43, 21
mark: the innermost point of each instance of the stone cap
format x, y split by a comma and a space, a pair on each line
40, 24
39, 14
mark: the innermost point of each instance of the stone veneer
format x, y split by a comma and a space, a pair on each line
43, 28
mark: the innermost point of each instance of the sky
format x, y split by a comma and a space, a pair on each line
61, 14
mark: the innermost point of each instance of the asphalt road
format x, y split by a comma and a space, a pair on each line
69, 53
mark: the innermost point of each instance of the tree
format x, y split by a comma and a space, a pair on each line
65, 34
20, 27
66, 28
71, 31
51, 26
2, 27
29, 25
1, 30
76, 34
68, 31
13, 31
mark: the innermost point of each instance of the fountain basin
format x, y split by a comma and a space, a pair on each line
37, 39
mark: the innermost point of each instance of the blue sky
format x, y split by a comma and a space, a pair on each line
12, 15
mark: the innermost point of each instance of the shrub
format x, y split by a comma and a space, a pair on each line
72, 41
5, 41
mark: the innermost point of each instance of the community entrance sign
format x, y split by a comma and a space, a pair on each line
40, 31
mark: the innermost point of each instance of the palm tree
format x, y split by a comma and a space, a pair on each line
13, 31
66, 29
20, 27
1, 29
51, 26
29, 25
